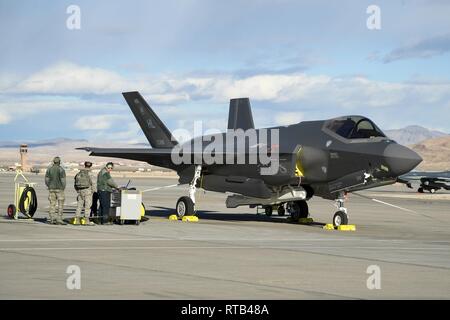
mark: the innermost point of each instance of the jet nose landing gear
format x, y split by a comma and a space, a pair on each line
340, 217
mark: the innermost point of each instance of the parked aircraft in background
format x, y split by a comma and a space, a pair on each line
427, 181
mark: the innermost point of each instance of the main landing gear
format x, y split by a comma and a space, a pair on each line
341, 216
298, 209
186, 205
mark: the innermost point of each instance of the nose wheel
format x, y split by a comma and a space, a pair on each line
340, 217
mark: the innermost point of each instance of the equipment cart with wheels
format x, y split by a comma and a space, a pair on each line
25, 200
126, 205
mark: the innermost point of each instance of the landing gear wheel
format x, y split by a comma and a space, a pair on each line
420, 190
268, 210
340, 218
12, 211
299, 210
432, 190
185, 207
281, 210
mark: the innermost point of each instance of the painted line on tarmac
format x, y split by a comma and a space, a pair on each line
392, 205
202, 239
159, 188
219, 247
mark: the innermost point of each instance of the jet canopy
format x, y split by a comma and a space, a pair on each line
354, 127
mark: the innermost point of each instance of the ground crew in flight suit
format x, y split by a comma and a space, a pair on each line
55, 180
105, 185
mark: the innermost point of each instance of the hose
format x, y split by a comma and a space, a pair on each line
28, 194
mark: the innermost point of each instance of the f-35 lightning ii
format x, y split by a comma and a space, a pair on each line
324, 158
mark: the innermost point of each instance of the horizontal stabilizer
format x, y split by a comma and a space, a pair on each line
240, 114
158, 157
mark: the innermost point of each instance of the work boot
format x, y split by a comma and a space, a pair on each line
60, 222
87, 222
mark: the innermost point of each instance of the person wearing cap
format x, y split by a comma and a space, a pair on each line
84, 187
105, 185
55, 180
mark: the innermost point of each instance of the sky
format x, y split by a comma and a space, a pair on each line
295, 60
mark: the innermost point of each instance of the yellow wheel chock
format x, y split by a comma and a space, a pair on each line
190, 219
344, 227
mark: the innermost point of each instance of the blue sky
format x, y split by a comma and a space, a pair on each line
296, 60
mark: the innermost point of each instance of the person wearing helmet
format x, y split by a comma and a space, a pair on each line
83, 186
55, 180
105, 185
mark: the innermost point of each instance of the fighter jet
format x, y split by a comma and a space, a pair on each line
324, 158
429, 181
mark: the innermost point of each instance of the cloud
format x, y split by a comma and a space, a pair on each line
69, 78
16, 107
347, 92
4, 118
287, 118
181, 99
422, 49
98, 122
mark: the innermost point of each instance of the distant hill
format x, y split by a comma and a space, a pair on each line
42, 143
435, 153
413, 134
41, 152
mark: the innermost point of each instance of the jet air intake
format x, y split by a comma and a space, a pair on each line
312, 164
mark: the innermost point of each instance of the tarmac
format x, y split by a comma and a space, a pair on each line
231, 253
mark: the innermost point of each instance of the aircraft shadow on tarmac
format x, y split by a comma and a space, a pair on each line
164, 212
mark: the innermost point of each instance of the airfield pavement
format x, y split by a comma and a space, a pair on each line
230, 253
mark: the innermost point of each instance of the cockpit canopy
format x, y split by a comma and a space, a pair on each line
354, 127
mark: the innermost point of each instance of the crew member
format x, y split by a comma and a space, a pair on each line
105, 185
84, 187
55, 180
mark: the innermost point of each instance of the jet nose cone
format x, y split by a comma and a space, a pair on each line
400, 159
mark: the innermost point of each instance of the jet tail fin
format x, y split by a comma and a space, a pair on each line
154, 129
240, 114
